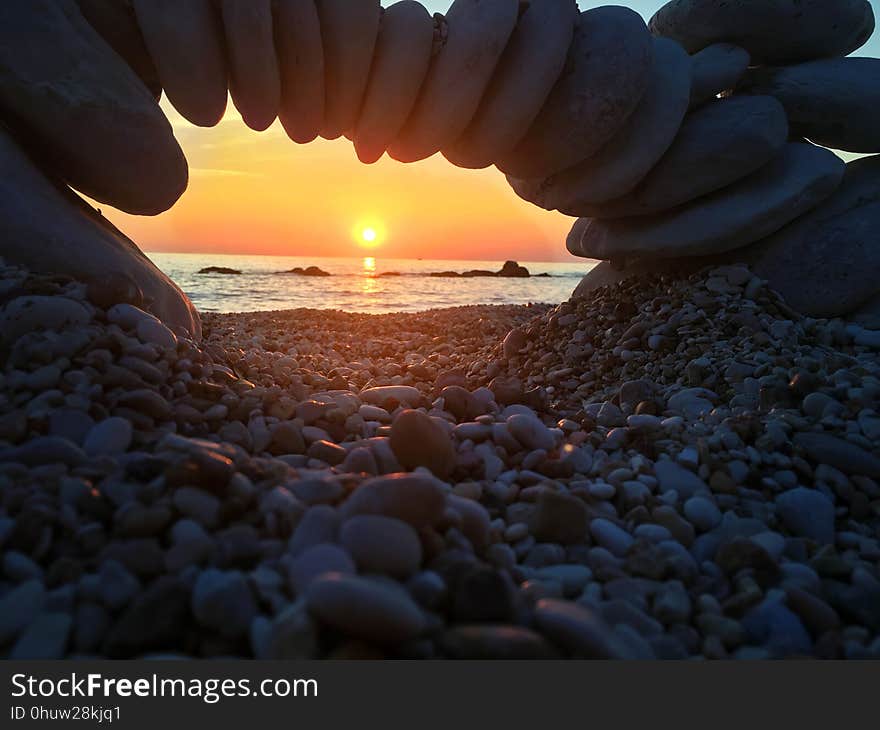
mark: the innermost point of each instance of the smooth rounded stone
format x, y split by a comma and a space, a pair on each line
481, 641
702, 513
19, 606
528, 69
45, 450
775, 627
383, 545
834, 102
35, 313
224, 602
577, 629
824, 263
116, 23
475, 522
717, 145
824, 448
530, 432
559, 518
91, 118
611, 537
477, 32
315, 562
42, 224
692, 402
400, 64
364, 609
414, 498
300, 52
186, 43
772, 31
111, 436
800, 178
45, 638
419, 440
807, 513
382, 394
674, 477
606, 73
320, 524
717, 68
348, 32
254, 80
631, 153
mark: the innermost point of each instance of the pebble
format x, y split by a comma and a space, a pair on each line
383, 545
807, 513
314, 562
223, 601
110, 436
419, 440
577, 630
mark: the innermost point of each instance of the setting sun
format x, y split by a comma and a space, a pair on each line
368, 235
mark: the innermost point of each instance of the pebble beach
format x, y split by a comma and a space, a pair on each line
670, 468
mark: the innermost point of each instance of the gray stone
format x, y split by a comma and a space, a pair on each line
43, 224
301, 64
824, 448
364, 609
400, 64
605, 76
85, 111
110, 436
348, 33
414, 498
186, 43
833, 102
807, 513
718, 144
383, 545
611, 537
671, 476
791, 185
532, 63
530, 432
18, 607
717, 68
224, 602
825, 263
773, 626
418, 439
477, 32
631, 153
318, 525
495, 642
577, 630
315, 562
45, 638
772, 31
254, 80
702, 513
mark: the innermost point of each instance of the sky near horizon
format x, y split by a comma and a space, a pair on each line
260, 193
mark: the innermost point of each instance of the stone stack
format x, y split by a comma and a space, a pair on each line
666, 147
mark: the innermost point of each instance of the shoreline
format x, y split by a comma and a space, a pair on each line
669, 468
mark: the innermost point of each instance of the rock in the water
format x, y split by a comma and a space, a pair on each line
477, 33
531, 65
364, 609
400, 63
825, 263
833, 102
419, 440
717, 68
606, 74
186, 43
84, 110
254, 81
383, 545
631, 153
43, 224
301, 64
807, 513
772, 31
348, 31
718, 144
791, 185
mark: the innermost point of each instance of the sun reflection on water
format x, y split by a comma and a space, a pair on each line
370, 282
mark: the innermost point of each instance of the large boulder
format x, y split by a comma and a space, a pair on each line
834, 103
605, 76
792, 184
772, 31
477, 34
88, 114
631, 153
47, 228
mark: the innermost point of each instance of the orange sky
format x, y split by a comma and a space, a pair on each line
259, 193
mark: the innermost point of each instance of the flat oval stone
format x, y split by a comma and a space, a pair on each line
254, 80
825, 263
605, 75
400, 63
43, 224
795, 182
478, 31
717, 68
116, 23
364, 609
834, 103
414, 498
348, 31
525, 75
301, 64
85, 110
577, 629
625, 160
382, 545
186, 43
772, 31
718, 144
417, 439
